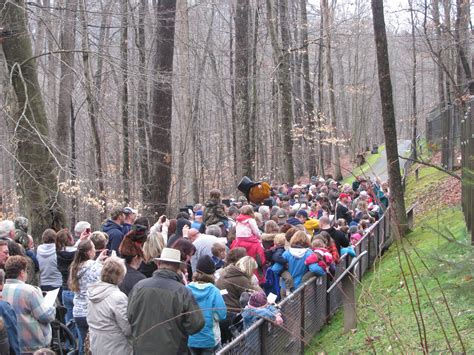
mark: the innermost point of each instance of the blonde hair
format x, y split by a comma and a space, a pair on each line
113, 271
299, 239
99, 239
279, 240
318, 243
362, 205
153, 246
271, 227
248, 265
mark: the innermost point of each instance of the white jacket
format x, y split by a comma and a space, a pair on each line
107, 318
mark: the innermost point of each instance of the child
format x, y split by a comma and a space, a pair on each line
215, 209
355, 235
246, 226
257, 308
248, 237
219, 253
321, 256
212, 305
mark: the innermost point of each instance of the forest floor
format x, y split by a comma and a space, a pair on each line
442, 266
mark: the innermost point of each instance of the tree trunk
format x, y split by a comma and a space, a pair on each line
336, 161
161, 110
92, 110
124, 101
186, 176
254, 127
413, 84
142, 105
35, 166
232, 95
320, 113
389, 124
285, 89
307, 92
66, 83
242, 54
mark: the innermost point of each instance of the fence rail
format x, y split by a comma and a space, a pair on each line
307, 310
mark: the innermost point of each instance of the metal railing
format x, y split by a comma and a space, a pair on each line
308, 309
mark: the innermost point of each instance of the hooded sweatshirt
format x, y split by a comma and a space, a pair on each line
115, 233
210, 300
89, 273
296, 264
107, 319
246, 227
65, 258
48, 264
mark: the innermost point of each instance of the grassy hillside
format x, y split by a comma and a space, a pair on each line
386, 317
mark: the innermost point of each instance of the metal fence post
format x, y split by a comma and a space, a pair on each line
302, 327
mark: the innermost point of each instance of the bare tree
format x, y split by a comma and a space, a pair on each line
35, 165
388, 117
242, 57
160, 114
332, 101
124, 100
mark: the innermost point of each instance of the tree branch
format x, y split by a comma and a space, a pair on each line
433, 166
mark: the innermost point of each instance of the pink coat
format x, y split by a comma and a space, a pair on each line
246, 227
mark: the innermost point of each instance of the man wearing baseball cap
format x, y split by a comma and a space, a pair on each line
130, 217
162, 311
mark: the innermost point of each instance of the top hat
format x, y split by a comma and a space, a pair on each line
246, 184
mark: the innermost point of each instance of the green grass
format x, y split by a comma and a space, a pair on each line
428, 178
386, 319
364, 168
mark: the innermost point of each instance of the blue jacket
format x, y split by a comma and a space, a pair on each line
115, 233
9, 318
210, 300
296, 266
251, 314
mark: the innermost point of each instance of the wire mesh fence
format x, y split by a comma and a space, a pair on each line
307, 310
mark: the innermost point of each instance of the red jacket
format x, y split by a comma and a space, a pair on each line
255, 250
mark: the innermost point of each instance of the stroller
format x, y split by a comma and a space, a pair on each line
64, 341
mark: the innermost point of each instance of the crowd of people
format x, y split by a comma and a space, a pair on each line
183, 284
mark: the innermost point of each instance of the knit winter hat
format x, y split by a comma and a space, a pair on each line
258, 299
206, 265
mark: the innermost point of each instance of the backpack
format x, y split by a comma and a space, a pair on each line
272, 283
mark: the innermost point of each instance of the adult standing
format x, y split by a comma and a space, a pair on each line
131, 250
107, 318
129, 219
203, 244
84, 271
162, 311
113, 228
65, 252
50, 277
4, 253
33, 316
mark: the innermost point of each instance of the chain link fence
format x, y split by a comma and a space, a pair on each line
308, 309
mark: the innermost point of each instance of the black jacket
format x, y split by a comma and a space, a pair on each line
64, 261
132, 277
339, 238
343, 212
163, 313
